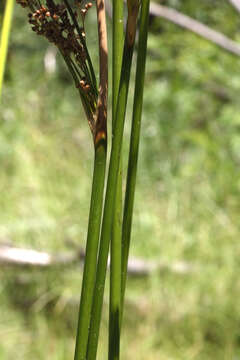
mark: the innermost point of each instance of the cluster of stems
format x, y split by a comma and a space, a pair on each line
109, 222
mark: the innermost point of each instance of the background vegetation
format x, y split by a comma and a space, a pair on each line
187, 200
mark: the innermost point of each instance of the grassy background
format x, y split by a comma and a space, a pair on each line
187, 201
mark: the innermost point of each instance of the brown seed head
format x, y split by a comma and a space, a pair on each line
55, 17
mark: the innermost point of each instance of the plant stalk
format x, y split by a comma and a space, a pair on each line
89, 272
112, 180
95, 216
134, 142
116, 241
5, 32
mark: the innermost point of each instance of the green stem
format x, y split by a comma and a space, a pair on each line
116, 246
95, 216
111, 187
134, 142
90, 265
5, 32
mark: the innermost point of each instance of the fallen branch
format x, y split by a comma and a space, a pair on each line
29, 258
13, 256
195, 26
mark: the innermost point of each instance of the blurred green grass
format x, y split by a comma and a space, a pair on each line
187, 201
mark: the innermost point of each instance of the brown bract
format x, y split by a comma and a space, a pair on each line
133, 8
101, 113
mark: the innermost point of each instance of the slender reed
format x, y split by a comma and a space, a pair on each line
116, 240
5, 32
134, 142
95, 215
133, 6
89, 272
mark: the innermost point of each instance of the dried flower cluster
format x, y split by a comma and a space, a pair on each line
58, 23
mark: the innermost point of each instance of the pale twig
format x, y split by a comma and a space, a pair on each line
195, 26
236, 4
11, 256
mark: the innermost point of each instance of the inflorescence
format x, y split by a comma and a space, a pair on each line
58, 23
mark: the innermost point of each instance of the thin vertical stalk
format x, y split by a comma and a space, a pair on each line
100, 141
5, 32
134, 142
115, 156
91, 250
116, 245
